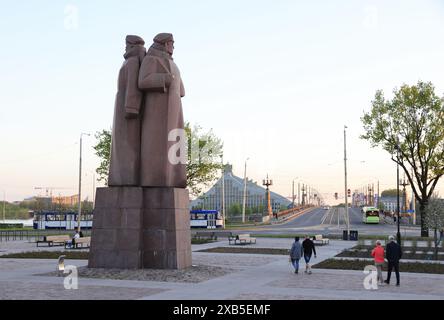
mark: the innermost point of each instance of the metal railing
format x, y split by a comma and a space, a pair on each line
34, 235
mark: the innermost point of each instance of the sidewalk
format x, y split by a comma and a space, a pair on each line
254, 276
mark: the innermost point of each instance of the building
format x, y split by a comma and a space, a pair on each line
69, 201
234, 193
389, 204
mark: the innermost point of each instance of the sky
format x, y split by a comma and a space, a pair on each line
276, 81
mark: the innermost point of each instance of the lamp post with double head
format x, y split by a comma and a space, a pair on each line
293, 194
398, 234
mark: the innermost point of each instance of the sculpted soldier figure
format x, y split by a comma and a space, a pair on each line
142, 219
160, 80
125, 141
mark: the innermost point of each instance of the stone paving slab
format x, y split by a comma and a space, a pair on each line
253, 276
19, 290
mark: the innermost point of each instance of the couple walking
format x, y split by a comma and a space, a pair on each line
298, 250
393, 253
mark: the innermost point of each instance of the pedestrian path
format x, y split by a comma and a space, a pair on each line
254, 277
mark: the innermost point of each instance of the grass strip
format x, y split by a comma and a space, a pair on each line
413, 267
75, 255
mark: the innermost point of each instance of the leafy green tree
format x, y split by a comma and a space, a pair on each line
389, 193
411, 124
103, 151
435, 218
204, 152
235, 209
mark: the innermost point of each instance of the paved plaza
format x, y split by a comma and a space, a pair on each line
246, 277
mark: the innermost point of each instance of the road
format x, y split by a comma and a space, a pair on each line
333, 221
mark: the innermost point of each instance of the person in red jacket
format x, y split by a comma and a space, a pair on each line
378, 254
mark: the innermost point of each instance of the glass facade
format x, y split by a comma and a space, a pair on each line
234, 192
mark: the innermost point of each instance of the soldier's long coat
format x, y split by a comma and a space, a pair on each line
162, 116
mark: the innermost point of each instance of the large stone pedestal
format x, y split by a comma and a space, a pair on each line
135, 228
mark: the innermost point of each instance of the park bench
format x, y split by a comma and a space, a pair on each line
224, 234
320, 240
79, 243
243, 239
51, 240
205, 235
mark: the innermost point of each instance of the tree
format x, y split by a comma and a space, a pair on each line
235, 209
389, 193
411, 124
435, 218
103, 151
204, 152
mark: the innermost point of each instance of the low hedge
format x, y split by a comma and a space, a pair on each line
247, 250
75, 255
413, 267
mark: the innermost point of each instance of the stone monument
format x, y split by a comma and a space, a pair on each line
142, 219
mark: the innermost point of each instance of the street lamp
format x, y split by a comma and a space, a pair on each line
293, 195
4, 205
223, 190
245, 192
398, 235
80, 182
345, 179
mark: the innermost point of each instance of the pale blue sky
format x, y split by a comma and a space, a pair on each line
275, 80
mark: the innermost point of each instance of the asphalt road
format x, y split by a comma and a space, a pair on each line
333, 221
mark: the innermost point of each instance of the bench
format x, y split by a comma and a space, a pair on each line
242, 239
51, 240
79, 243
224, 234
320, 241
205, 235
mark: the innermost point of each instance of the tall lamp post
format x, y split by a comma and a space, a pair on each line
80, 182
223, 191
345, 179
245, 192
293, 194
398, 235
4, 205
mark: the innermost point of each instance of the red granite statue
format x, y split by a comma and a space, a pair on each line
160, 80
125, 145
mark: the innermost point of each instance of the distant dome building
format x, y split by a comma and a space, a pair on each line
234, 193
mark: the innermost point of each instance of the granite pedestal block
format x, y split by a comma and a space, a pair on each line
136, 228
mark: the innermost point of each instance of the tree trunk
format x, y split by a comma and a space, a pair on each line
424, 229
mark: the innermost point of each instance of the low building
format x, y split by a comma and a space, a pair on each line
234, 193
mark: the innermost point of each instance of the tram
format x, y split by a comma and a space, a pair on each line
208, 219
61, 220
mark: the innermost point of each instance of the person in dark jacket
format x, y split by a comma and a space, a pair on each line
393, 255
308, 249
296, 254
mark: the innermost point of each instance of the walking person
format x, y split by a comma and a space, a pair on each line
308, 249
378, 255
441, 236
296, 254
394, 254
